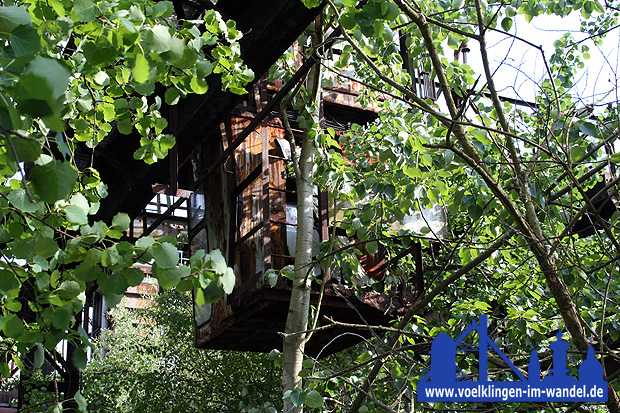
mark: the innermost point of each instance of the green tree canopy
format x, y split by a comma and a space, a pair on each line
71, 72
523, 184
148, 363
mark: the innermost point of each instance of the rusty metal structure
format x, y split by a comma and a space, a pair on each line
225, 185
227, 176
248, 212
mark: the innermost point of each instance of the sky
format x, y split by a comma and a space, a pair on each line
522, 66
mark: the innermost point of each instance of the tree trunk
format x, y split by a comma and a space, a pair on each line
297, 319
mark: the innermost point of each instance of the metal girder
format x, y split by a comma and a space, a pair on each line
270, 26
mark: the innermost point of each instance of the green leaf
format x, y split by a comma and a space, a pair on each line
170, 277
163, 9
81, 402
198, 86
145, 242
218, 262
172, 95
288, 272
311, 3
204, 69
348, 20
20, 200
12, 326
39, 356
209, 295
588, 128
99, 54
141, 69
184, 285
110, 257
41, 86
389, 11
112, 299
228, 281
8, 282
314, 399
5, 371
76, 215
481, 135
58, 7
166, 142
615, 158
166, 254
144, 89
45, 247
28, 150
53, 72
9, 116
24, 41
297, 397
475, 211
53, 181
11, 17
124, 126
506, 23
43, 281
12, 305
272, 277
159, 39
101, 78
80, 201
23, 248
68, 290
588, 8
117, 284
85, 10
121, 222
133, 276
175, 51
453, 42
87, 271
372, 247
60, 317
79, 358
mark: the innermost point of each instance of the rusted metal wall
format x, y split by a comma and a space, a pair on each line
228, 212
248, 157
208, 222
251, 259
243, 211
277, 195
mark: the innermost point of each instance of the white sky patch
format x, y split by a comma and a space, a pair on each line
520, 67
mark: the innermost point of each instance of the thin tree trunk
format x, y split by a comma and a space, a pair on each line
527, 222
297, 319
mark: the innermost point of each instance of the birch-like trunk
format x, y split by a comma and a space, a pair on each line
526, 221
297, 319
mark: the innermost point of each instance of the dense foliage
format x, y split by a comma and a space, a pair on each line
148, 363
71, 71
527, 241
522, 183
